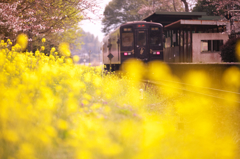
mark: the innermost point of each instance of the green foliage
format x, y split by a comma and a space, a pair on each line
89, 45
228, 52
216, 7
53, 40
205, 6
121, 11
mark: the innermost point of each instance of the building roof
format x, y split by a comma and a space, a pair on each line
210, 18
166, 18
198, 23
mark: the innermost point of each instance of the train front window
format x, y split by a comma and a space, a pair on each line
127, 39
141, 38
155, 38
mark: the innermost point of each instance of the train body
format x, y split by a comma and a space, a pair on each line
141, 40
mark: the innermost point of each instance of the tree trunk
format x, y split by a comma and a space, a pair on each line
186, 5
174, 5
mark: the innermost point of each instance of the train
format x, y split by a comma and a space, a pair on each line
137, 39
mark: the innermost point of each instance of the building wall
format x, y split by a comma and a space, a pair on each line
197, 55
171, 54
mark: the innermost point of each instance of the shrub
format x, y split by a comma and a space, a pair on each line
228, 52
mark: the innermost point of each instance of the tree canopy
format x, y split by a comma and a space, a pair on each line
205, 6
37, 18
221, 8
122, 11
89, 42
217, 7
226, 5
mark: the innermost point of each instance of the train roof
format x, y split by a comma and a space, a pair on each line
130, 23
140, 22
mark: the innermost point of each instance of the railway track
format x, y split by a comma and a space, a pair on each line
220, 94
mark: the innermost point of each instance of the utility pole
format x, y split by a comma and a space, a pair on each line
89, 56
229, 16
84, 59
100, 53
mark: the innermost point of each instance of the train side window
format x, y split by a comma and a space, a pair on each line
127, 39
155, 36
127, 29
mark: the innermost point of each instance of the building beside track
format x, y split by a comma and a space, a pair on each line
192, 36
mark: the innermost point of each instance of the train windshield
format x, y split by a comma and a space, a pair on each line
127, 39
141, 38
155, 36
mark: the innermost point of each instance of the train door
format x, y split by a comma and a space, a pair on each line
141, 45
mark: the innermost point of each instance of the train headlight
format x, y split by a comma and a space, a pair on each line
156, 53
127, 53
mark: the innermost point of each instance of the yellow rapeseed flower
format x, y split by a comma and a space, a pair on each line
76, 58
197, 78
84, 154
10, 135
62, 124
52, 50
238, 50
43, 40
88, 114
26, 149
96, 106
134, 68
87, 96
42, 48
69, 61
64, 49
158, 70
22, 40
231, 77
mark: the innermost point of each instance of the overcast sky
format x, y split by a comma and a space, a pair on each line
94, 26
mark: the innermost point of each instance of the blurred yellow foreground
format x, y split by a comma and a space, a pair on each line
51, 108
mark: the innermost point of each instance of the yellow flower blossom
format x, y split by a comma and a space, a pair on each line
22, 40
64, 49
76, 58
50, 107
62, 124
42, 48
43, 40
238, 50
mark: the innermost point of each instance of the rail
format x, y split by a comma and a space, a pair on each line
215, 93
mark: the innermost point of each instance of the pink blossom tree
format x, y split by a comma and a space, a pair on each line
38, 18
160, 5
